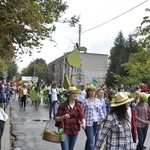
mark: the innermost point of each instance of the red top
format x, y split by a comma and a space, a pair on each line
72, 124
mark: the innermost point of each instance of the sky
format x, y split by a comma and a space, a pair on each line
96, 35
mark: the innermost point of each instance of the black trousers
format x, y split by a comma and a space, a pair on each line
142, 132
23, 101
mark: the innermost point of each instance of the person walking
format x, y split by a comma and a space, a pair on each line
93, 117
70, 115
3, 118
53, 97
142, 111
100, 96
2, 97
116, 130
8, 93
135, 102
24, 96
82, 94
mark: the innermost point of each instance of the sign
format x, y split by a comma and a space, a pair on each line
35, 79
26, 78
95, 81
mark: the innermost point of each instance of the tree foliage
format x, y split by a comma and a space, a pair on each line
119, 55
12, 71
25, 23
138, 67
143, 32
115, 58
37, 68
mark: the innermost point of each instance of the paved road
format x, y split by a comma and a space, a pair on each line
27, 126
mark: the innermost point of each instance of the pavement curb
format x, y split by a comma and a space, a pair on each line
5, 143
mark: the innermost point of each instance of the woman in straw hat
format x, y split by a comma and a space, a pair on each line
142, 121
72, 115
93, 116
116, 130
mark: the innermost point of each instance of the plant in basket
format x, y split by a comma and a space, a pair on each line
53, 136
61, 132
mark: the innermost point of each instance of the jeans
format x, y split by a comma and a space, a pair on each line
142, 132
91, 132
53, 109
69, 143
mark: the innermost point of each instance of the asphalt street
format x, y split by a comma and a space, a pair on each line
28, 125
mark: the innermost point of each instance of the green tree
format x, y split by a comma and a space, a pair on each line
132, 46
25, 23
119, 55
143, 32
138, 67
39, 68
115, 59
12, 71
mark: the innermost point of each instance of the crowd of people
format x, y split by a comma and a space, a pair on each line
112, 118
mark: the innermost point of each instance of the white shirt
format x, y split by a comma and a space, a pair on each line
81, 96
54, 93
3, 115
129, 114
25, 91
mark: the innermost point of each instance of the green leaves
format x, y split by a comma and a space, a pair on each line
60, 132
40, 67
119, 55
142, 33
138, 66
25, 23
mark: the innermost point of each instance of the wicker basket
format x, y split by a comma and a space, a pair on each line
55, 138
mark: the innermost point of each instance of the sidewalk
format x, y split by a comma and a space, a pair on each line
147, 141
6, 135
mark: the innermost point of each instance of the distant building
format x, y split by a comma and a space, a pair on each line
93, 69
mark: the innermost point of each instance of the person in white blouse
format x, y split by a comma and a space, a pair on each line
3, 118
81, 96
24, 97
53, 101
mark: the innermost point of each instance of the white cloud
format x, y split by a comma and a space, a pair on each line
93, 13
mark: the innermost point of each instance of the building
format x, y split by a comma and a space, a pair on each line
93, 69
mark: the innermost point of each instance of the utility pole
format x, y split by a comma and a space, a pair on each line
79, 35
34, 69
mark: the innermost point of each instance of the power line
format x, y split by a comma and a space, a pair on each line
115, 17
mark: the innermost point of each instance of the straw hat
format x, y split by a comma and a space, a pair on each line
120, 98
144, 96
73, 89
90, 87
